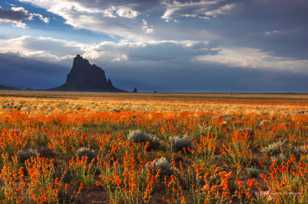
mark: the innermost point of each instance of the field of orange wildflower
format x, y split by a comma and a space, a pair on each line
83, 148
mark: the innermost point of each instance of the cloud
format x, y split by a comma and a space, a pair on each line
275, 26
120, 58
140, 58
150, 52
130, 20
238, 38
273, 32
29, 73
127, 12
18, 24
61, 51
153, 65
239, 23
110, 12
121, 11
203, 9
253, 58
18, 16
280, 33
220, 10
119, 21
22, 72
132, 52
41, 17
153, 52
146, 27
41, 48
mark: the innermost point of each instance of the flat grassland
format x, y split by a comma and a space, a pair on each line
59, 147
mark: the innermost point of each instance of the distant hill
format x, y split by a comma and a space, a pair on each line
87, 77
7, 88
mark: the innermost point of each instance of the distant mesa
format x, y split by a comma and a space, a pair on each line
7, 88
87, 77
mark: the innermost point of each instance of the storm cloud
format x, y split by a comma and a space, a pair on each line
167, 44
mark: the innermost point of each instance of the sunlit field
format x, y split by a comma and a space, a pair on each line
153, 148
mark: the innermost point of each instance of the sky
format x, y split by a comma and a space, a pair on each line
162, 45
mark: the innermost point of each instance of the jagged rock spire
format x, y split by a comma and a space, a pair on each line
87, 77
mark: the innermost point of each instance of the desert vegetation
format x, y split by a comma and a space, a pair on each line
152, 150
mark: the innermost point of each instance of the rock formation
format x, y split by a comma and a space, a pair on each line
87, 77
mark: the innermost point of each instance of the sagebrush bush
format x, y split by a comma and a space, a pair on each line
26, 154
180, 143
86, 152
139, 136
162, 165
274, 148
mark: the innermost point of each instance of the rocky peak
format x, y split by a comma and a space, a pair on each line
80, 62
87, 77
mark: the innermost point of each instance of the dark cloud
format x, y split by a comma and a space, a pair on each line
27, 73
277, 26
205, 77
15, 15
170, 52
239, 44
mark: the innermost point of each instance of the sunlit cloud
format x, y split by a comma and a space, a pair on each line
254, 59
97, 19
19, 16
203, 9
146, 27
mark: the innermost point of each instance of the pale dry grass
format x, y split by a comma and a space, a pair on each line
50, 102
